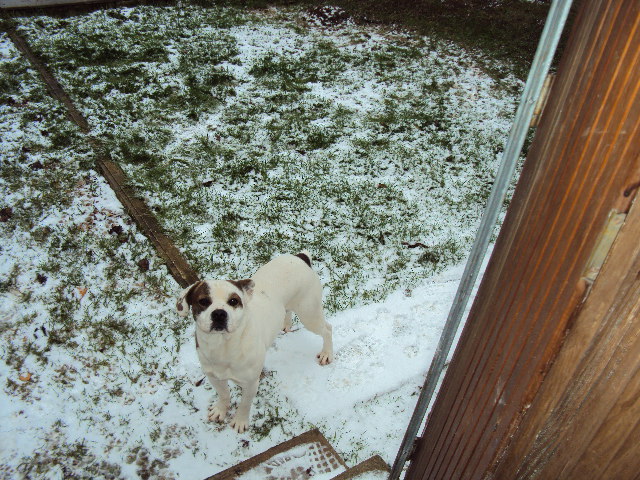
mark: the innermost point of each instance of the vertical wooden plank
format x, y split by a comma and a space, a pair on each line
582, 423
626, 458
583, 161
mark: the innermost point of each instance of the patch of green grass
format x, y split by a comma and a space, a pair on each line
10, 281
320, 138
111, 40
278, 71
10, 86
320, 63
110, 332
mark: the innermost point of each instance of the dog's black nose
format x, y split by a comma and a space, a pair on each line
218, 319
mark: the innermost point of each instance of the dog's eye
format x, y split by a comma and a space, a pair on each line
204, 302
233, 302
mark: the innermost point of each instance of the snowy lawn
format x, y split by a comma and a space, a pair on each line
252, 135
249, 134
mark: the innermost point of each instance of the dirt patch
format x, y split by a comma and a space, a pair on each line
327, 16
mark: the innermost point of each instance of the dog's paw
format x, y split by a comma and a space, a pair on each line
240, 424
324, 358
217, 413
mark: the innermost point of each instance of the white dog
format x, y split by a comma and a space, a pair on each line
237, 321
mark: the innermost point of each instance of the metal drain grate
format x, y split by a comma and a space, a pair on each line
311, 460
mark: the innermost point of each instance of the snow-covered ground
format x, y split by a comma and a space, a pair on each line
361, 402
98, 373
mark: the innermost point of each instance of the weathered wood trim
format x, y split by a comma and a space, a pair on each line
373, 464
42, 3
312, 436
79, 7
582, 164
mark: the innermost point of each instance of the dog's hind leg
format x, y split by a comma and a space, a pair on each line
313, 320
326, 354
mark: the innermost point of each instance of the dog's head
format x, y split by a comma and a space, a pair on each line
217, 305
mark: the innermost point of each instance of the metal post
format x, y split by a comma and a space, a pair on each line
550, 37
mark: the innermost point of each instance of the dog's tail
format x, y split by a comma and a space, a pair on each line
305, 256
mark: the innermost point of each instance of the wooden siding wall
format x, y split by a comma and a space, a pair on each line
544, 384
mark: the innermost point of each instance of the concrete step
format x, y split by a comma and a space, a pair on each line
307, 456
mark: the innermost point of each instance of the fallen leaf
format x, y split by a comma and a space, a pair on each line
414, 245
82, 291
143, 265
5, 214
26, 377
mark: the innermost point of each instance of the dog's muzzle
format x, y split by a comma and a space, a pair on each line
218, 320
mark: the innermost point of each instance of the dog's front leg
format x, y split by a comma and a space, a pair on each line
240, 421
218, 411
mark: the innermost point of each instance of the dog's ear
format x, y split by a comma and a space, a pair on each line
245, 285
186, 299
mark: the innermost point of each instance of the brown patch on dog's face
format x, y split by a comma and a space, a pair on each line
198, 297
235, 301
